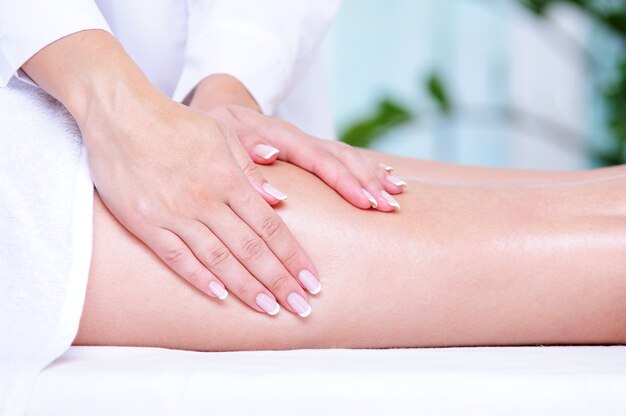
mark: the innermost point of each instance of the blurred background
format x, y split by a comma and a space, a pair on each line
519, 83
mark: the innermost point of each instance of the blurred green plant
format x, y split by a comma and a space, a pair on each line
389, 114
610, 15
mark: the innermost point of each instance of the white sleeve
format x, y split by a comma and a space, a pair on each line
258, 42
26, 26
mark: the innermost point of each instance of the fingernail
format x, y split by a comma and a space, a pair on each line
396, 181
218, 290
386, 167
268, 304
392, 201
265, 151
371, 198
274, 192
310, 282
299, 305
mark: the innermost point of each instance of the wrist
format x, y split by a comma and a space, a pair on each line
87, 70
219, 90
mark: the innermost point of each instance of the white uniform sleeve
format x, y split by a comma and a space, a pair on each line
26, 26
258, 42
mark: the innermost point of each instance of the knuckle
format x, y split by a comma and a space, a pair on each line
284, 125
250, 169
196, 277
347, 153
292, 258
270, 227
174, 255
248, 198
344, 179
251, 248
217, 256
244, 288
144, 212
279, 284
229, 178
198, 195
320, 153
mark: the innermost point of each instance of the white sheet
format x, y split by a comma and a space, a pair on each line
469, 381
46, 199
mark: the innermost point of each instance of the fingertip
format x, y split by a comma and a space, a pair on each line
218, 290
361, 199
393, 189
370, 198
397, 182
273, 192
390, 201
267, 196
264, 154
392, 184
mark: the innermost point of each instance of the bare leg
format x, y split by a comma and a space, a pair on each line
459, 265
455, 173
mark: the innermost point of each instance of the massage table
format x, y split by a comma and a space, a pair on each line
440, 381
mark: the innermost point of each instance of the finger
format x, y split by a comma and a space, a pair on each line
360, 166
326, 166
387, 168
300, 149
259, 149
253, 253
268, 192
272, 230
218, 258
178, 257
392, 184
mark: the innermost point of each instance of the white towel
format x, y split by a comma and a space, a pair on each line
46, 206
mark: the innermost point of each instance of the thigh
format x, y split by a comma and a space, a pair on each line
133, 299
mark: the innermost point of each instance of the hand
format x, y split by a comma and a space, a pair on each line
180, 183
359, 179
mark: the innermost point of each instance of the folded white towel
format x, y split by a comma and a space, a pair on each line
46, 205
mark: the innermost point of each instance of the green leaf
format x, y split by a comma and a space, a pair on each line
437, 91
389, 115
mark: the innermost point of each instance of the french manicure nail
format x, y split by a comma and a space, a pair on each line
396, 181
309, 281
274, 192
299, 305
265, 151
268, 304
386, 167
391, 200
371, 198
218, 290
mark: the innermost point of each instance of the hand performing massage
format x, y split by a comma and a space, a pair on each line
464, 253
181, 180
208, 222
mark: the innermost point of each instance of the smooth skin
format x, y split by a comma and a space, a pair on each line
182, 182
476, 256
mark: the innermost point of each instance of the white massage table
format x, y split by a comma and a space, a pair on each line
470, 381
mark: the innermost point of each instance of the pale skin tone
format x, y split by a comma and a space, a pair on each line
476, 256
459, 265
182, 179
